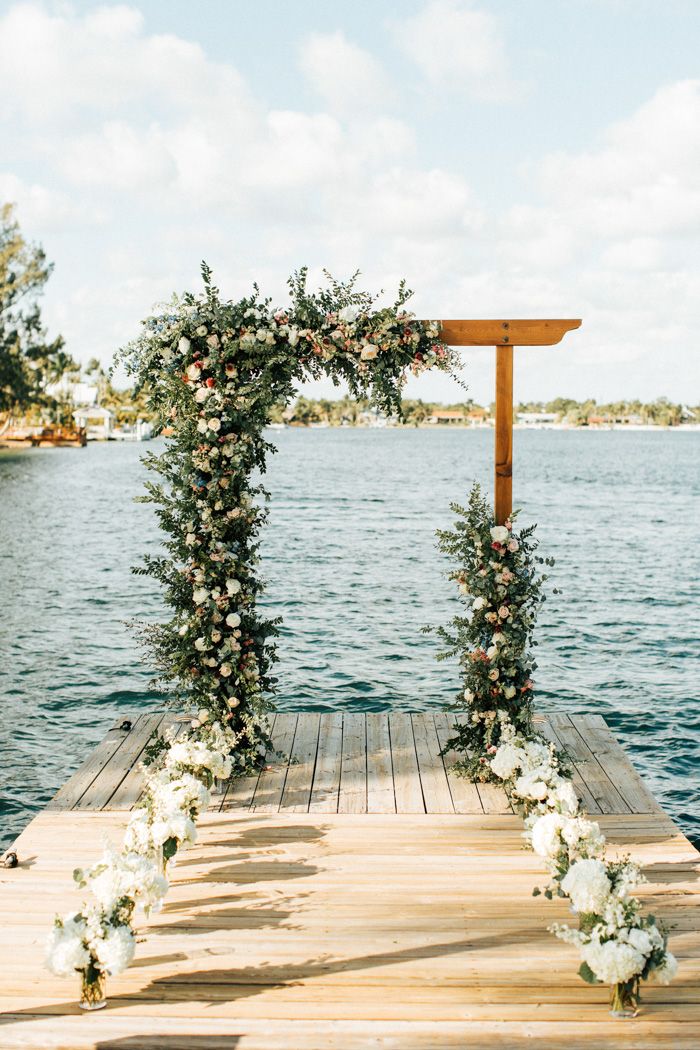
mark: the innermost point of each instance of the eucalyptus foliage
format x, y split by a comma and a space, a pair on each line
214, 369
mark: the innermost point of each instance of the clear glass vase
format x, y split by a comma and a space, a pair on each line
624, 999
92, 991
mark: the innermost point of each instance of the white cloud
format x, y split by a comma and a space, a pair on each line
349, 79
459, 46
152, 156
643, 181
119, 157
43, 209
64, 67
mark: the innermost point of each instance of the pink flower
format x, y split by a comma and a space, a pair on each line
513, 545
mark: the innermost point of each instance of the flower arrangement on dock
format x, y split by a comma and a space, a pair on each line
99, 940
214, 370
499, 578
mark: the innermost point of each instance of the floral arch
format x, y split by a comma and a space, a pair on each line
215, 368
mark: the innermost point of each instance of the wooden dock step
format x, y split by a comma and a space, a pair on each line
363, 762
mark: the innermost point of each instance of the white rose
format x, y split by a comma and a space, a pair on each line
478, 603
545, 835
503, 612
202, 329
193, 372
509, 692
566, 796
200, 644
183, 345
213, 341
202, 426
499, 534
190, 539
200, 595
233, 701
348, 314
202, 394
505, 762
203, 715
493, 675
492, 652
225, 670
233, 619
233, 586
513, 545
530, 787
368, 352
214, 424
468, 695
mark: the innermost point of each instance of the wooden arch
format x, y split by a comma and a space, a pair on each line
504, 335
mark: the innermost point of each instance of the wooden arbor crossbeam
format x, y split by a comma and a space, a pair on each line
504, 335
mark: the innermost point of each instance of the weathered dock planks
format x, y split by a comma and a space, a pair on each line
357, 894
364, 762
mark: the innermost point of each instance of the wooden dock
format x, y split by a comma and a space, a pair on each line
358, 895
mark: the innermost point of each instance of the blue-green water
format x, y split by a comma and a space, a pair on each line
352, 566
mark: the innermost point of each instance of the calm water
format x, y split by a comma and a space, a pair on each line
352, 567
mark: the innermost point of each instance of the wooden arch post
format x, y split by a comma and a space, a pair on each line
504, 335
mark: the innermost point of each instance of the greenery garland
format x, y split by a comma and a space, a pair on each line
499, 580
499, 572
215, 369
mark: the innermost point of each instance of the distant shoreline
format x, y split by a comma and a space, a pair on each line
651, 427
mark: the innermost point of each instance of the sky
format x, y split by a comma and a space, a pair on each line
508, 158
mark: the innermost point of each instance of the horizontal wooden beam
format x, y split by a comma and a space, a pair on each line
506, 333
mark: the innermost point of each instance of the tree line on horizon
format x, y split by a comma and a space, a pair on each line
347, 411
36, 371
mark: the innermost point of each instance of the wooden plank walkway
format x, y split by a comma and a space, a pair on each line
356, 896
364, 763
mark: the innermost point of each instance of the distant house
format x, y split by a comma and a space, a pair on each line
372, 417
98, 422
447, 416
536, 419
478, 417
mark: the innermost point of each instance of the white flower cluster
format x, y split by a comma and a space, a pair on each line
89, 938
100, 938
618, 945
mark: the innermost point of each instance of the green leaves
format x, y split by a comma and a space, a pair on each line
587, 974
